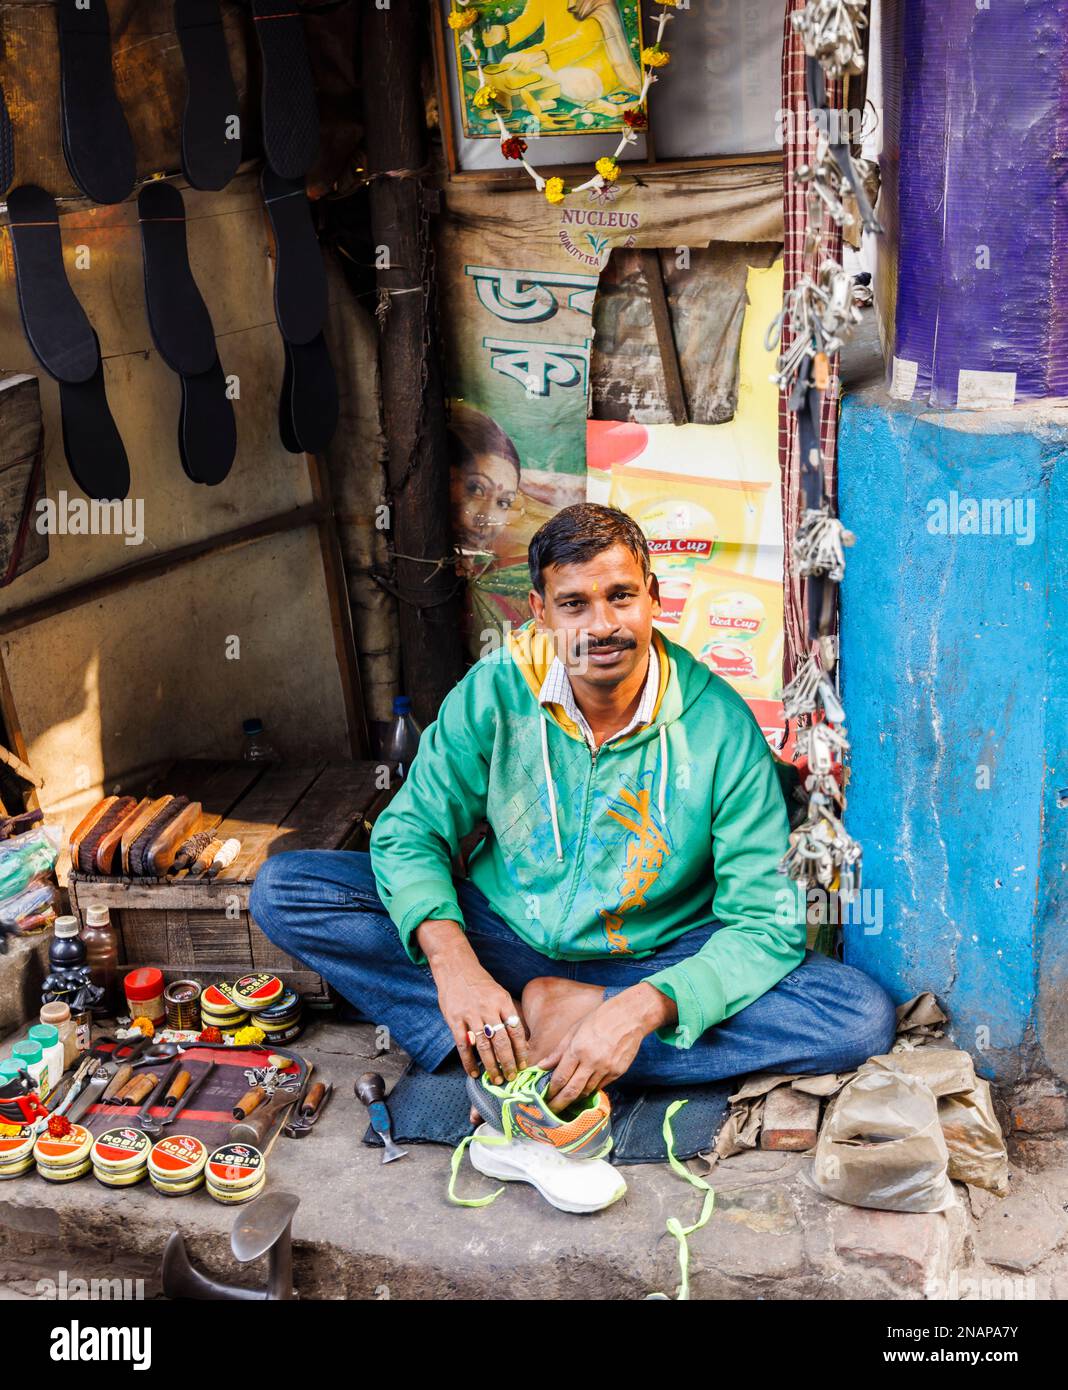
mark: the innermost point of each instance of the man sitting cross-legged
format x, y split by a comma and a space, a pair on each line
624, 916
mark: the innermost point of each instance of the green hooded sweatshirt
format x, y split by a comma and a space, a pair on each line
613, 852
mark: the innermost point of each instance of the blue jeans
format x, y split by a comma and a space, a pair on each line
322, 906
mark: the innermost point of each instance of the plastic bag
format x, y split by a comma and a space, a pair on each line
973, 1137
34, 909
24, 857
882, 1146
946, 1070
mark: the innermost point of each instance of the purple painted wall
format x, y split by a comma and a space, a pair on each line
983, 111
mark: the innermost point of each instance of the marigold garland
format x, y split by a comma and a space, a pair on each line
462, 19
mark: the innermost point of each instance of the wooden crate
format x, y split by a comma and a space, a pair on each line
204, 930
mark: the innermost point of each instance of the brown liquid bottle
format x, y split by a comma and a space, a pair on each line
101, 942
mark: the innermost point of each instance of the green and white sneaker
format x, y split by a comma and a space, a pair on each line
563, 1156
520, 1107
570, 1184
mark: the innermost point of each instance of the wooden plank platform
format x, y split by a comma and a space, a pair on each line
192, 927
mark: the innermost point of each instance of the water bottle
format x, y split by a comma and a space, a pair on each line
402, 741
257, 749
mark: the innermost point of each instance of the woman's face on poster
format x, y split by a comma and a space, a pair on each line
484, 491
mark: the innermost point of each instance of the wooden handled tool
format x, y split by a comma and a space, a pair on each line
250, 1101
154, 1125
122, 1078
155, 1096
178, 1087
311, 1106
312, 1100
137, 1090
257, 1129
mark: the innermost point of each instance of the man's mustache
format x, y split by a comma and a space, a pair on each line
609, 644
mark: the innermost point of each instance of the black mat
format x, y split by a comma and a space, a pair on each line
7, 147
183, 333
177, 315
288, 104
97, 144
433, 1108
210, 157
308, 406
299, 272
64, 343
53, 319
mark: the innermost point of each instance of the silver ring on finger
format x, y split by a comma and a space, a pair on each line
512, 1021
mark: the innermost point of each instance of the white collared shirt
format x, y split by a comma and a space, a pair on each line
556, 690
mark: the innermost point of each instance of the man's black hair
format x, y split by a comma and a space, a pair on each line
578, 533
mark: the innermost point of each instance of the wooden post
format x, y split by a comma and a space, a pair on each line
665, 338
425, 581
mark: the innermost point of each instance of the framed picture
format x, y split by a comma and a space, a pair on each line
562, 67
568, 69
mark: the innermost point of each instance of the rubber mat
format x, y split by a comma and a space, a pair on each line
183, 333
210, 158
308, 407
7, 147
97, 144
299, 273
290, 113
433, 1108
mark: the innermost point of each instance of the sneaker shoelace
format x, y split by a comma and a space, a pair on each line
520, 1088
675, 1227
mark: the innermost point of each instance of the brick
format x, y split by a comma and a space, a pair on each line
1037, 1155
913, 1251
791, 1120
1041, 1115
1021, 1231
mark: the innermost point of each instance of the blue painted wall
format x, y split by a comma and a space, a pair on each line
955, 675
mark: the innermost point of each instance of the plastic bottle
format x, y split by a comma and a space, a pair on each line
11, 1067
66, 947
257, 749
31, 1054
46, 1035
402, 741
101, 942
58, 1014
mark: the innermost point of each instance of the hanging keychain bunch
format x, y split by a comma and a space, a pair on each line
818, 314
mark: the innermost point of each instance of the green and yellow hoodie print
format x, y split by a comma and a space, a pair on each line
598, 854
